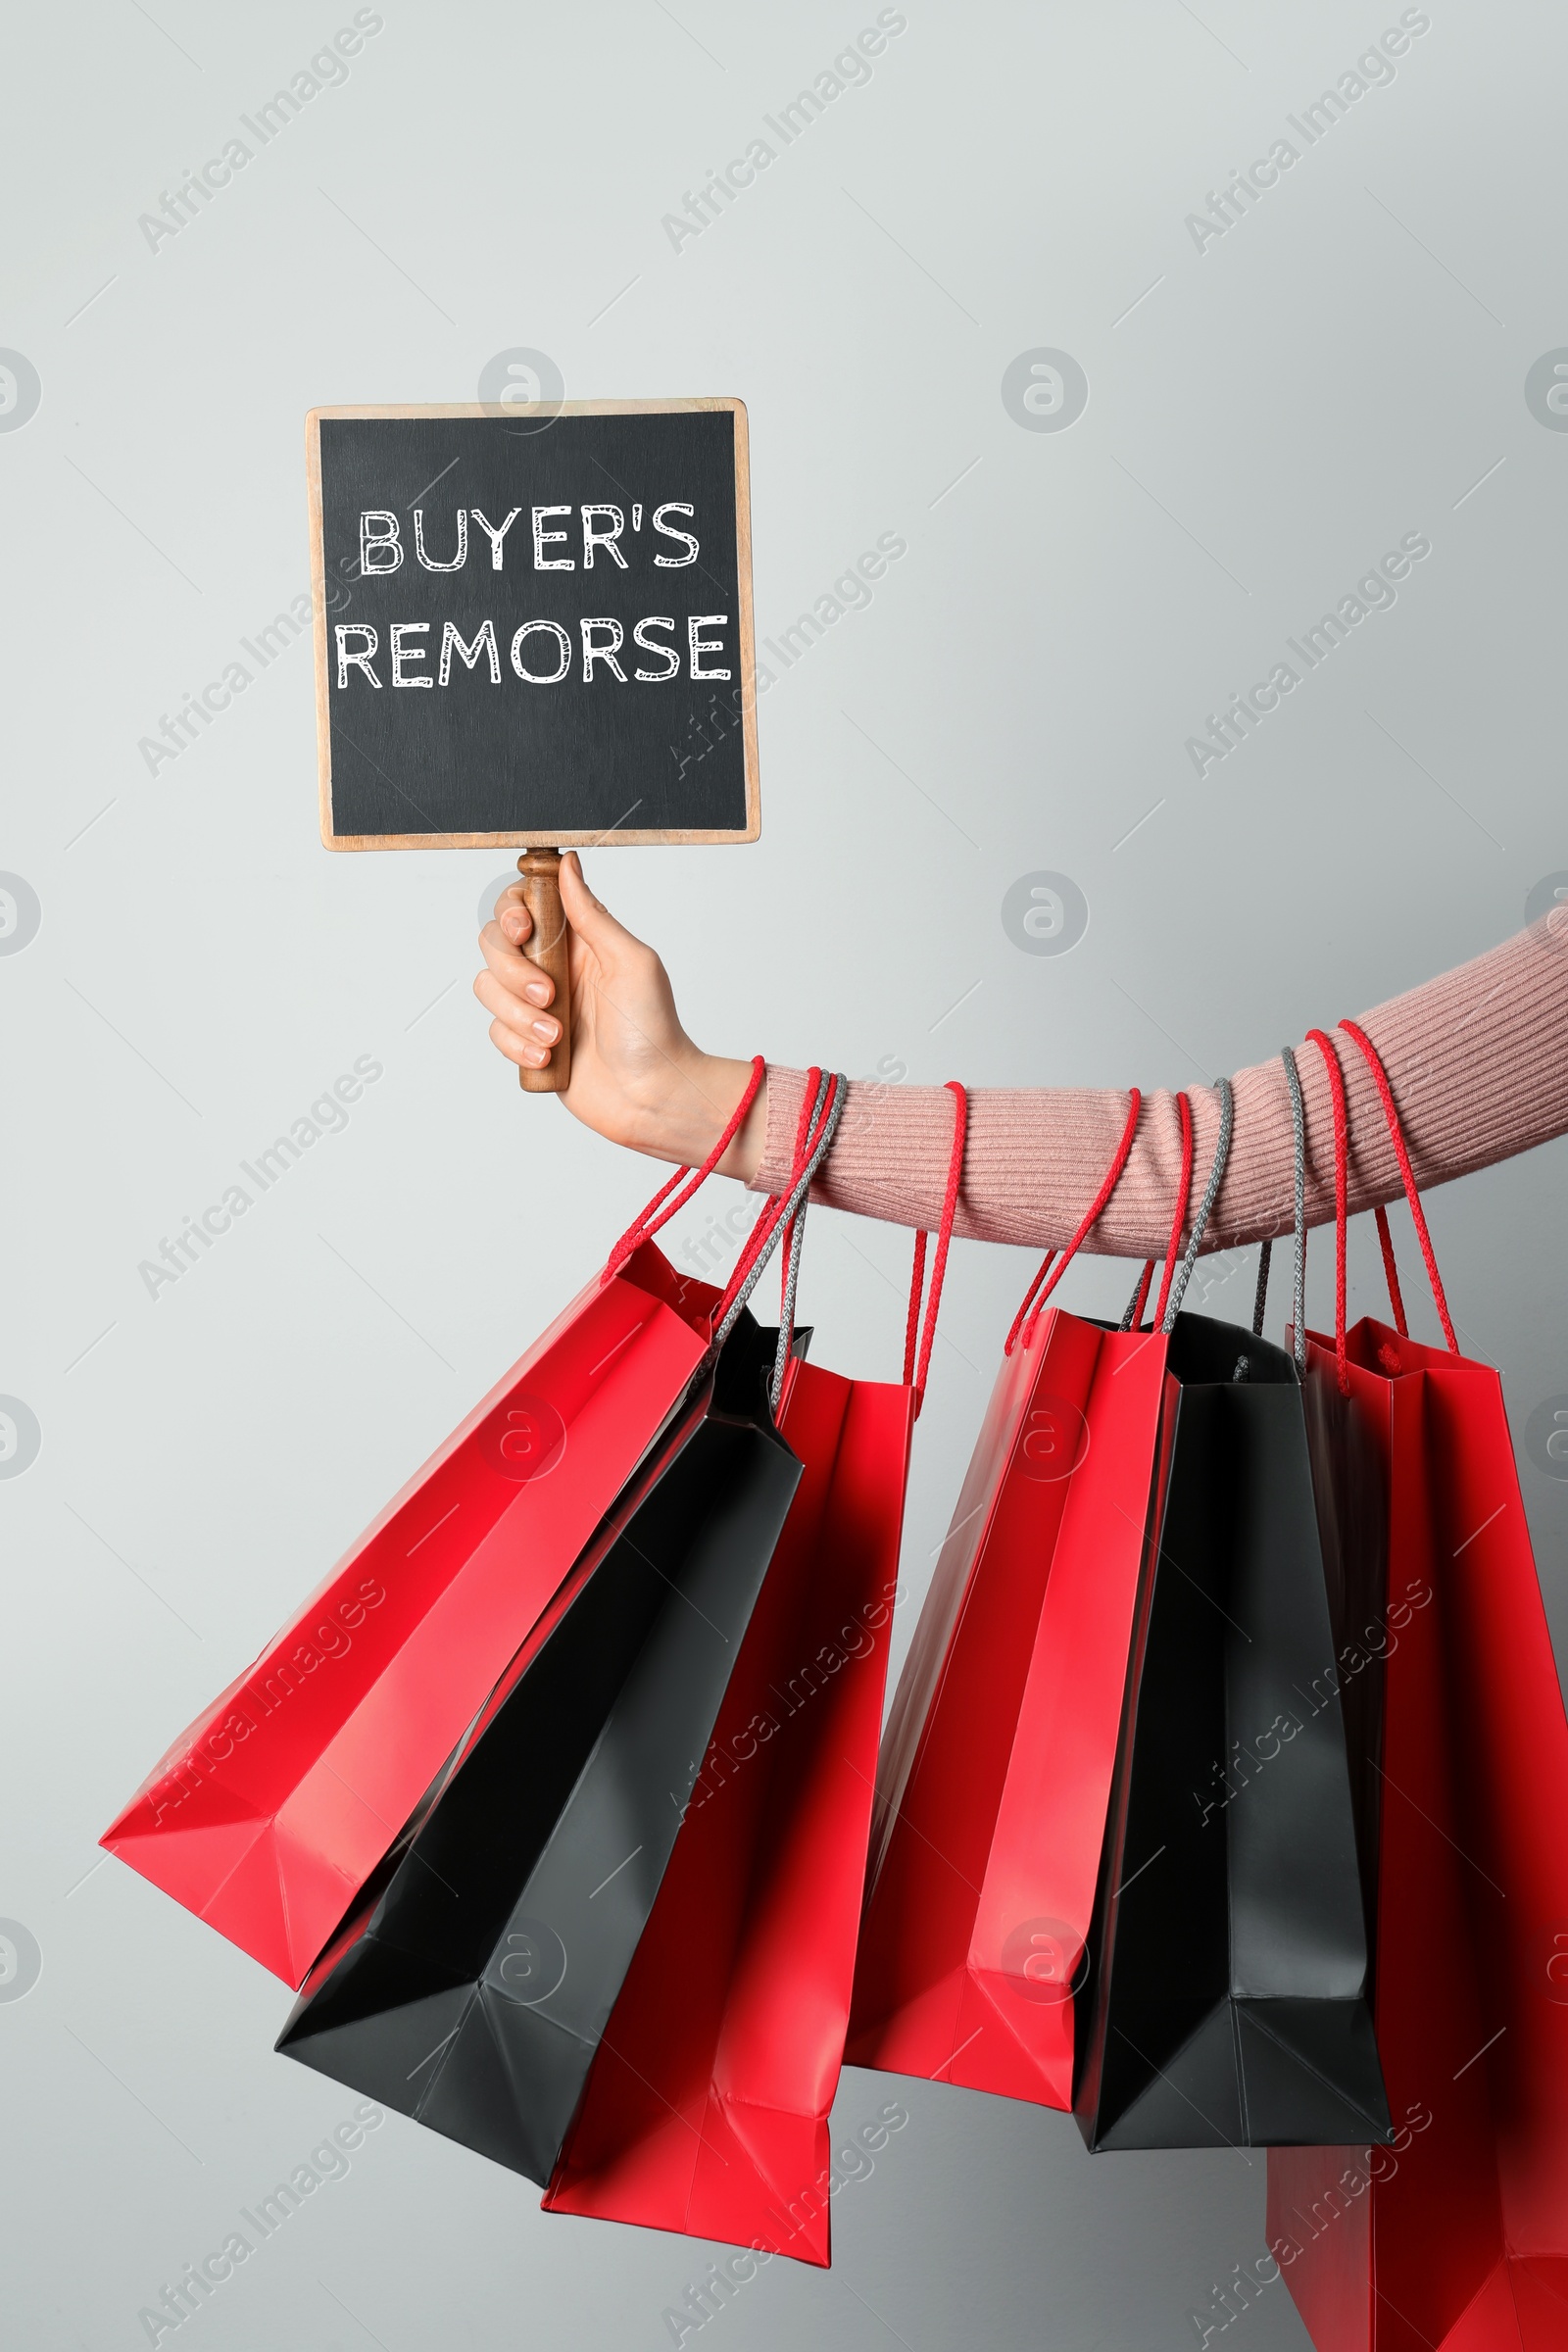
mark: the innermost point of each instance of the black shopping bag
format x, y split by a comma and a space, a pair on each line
1227, 2000
473, 1985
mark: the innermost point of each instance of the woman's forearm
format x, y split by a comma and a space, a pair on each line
1477, 1059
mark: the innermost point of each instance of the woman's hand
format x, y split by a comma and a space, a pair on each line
636, 1076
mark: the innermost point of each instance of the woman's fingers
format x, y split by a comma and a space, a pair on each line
508, 1043
513, 990
512, 915
528, 1024
512, 967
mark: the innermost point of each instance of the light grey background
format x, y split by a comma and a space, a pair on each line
1266, 417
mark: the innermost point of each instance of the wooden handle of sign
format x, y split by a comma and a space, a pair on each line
547, 946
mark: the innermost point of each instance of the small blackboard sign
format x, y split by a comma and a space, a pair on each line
533, 627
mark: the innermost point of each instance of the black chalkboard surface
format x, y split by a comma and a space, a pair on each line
533, 631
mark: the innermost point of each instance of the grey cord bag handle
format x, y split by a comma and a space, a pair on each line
792, 1262
794, 1207
1222, 1151
1183, 1272
1293, 1079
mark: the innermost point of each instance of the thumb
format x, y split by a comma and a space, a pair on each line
593, 923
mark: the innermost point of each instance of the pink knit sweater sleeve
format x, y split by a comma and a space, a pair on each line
1477, 1059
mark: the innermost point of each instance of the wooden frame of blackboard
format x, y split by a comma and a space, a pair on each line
615, 839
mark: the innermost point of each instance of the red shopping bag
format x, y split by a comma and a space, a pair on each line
706, 2108
1456, 2236
996, 1765
272, 1810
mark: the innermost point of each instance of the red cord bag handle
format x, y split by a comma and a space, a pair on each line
918, 1362
1035, 1297
1390, 1111
662, 1206
813, 1137
1342, 1156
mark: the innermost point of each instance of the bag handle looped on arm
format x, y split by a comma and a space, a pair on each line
826, 1094
1184, 1195
1222, 1152
1176, 1277
813, 1101
662, 1206
1370, 1056
1035, 1297
814, 1104
1133, 1312
1341, 1158
1342, 1154
814, 1136
1293, 1079
915, 1368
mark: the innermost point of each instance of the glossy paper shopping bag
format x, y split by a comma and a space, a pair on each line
1455, 2235
471, 1986
269, 1814
510, 1910
707, 2109
998, 1759
1227, 1998
996, 1763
